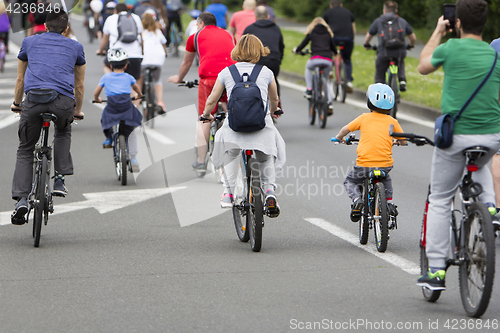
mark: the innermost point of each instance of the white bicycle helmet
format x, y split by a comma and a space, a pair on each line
380, 97
96, 6
117, 55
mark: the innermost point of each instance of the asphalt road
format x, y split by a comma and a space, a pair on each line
159, 255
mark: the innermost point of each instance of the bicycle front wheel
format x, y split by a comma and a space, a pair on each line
41, 196
477, 272
122, 159
255, 216
381, 218
364, 223
429, 295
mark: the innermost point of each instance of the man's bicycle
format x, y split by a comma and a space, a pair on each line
391, 78
472, 237
338, 76
40, 197
149, 106
375, 212
318, 103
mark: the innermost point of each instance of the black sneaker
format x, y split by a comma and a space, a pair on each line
356, 208
271, 207
21, 209
59, 189
433, 281
392, 209
308, 94
402, 85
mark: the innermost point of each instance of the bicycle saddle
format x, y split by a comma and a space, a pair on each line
377, 174
48, 117
481, 150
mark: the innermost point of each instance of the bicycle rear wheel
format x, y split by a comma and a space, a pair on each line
342, 83
255, 216
364, 223
122, 159
477, 272
323, 104
41, 196
151, 112
393, 83
239, 212
380, 218
312, 101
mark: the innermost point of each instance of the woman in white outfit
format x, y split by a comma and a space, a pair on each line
267, 143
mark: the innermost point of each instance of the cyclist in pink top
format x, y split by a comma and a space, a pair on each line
242, 19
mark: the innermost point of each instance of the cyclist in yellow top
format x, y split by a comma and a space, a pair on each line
375, 146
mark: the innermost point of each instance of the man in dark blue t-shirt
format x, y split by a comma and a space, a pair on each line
52, 84
341, 22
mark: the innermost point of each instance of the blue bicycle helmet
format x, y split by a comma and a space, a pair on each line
380, 97
194, 13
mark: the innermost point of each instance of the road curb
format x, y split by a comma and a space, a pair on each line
360, 95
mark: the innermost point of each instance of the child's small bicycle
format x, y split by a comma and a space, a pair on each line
375, 212
121, 156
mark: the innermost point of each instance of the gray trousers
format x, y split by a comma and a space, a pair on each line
310, 64
357, 176
448, 166
266, 167
30, 126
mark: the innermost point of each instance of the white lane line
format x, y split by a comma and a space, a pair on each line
9, 92
151, 133
406, 265
362, 105
9, 120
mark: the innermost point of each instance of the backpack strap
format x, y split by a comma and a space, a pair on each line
255, 72
235, 74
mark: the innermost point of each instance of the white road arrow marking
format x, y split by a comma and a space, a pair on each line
104, 202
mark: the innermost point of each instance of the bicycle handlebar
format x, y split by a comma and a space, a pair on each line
189, 84
302, 52
418, 140
375, 47
351, 139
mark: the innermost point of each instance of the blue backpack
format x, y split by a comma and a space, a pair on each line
245, 108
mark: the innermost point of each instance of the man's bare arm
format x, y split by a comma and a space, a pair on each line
19, 89
79, 88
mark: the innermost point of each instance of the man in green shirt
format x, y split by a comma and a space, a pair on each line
465, 61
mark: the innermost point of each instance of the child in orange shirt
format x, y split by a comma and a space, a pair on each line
374, 148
